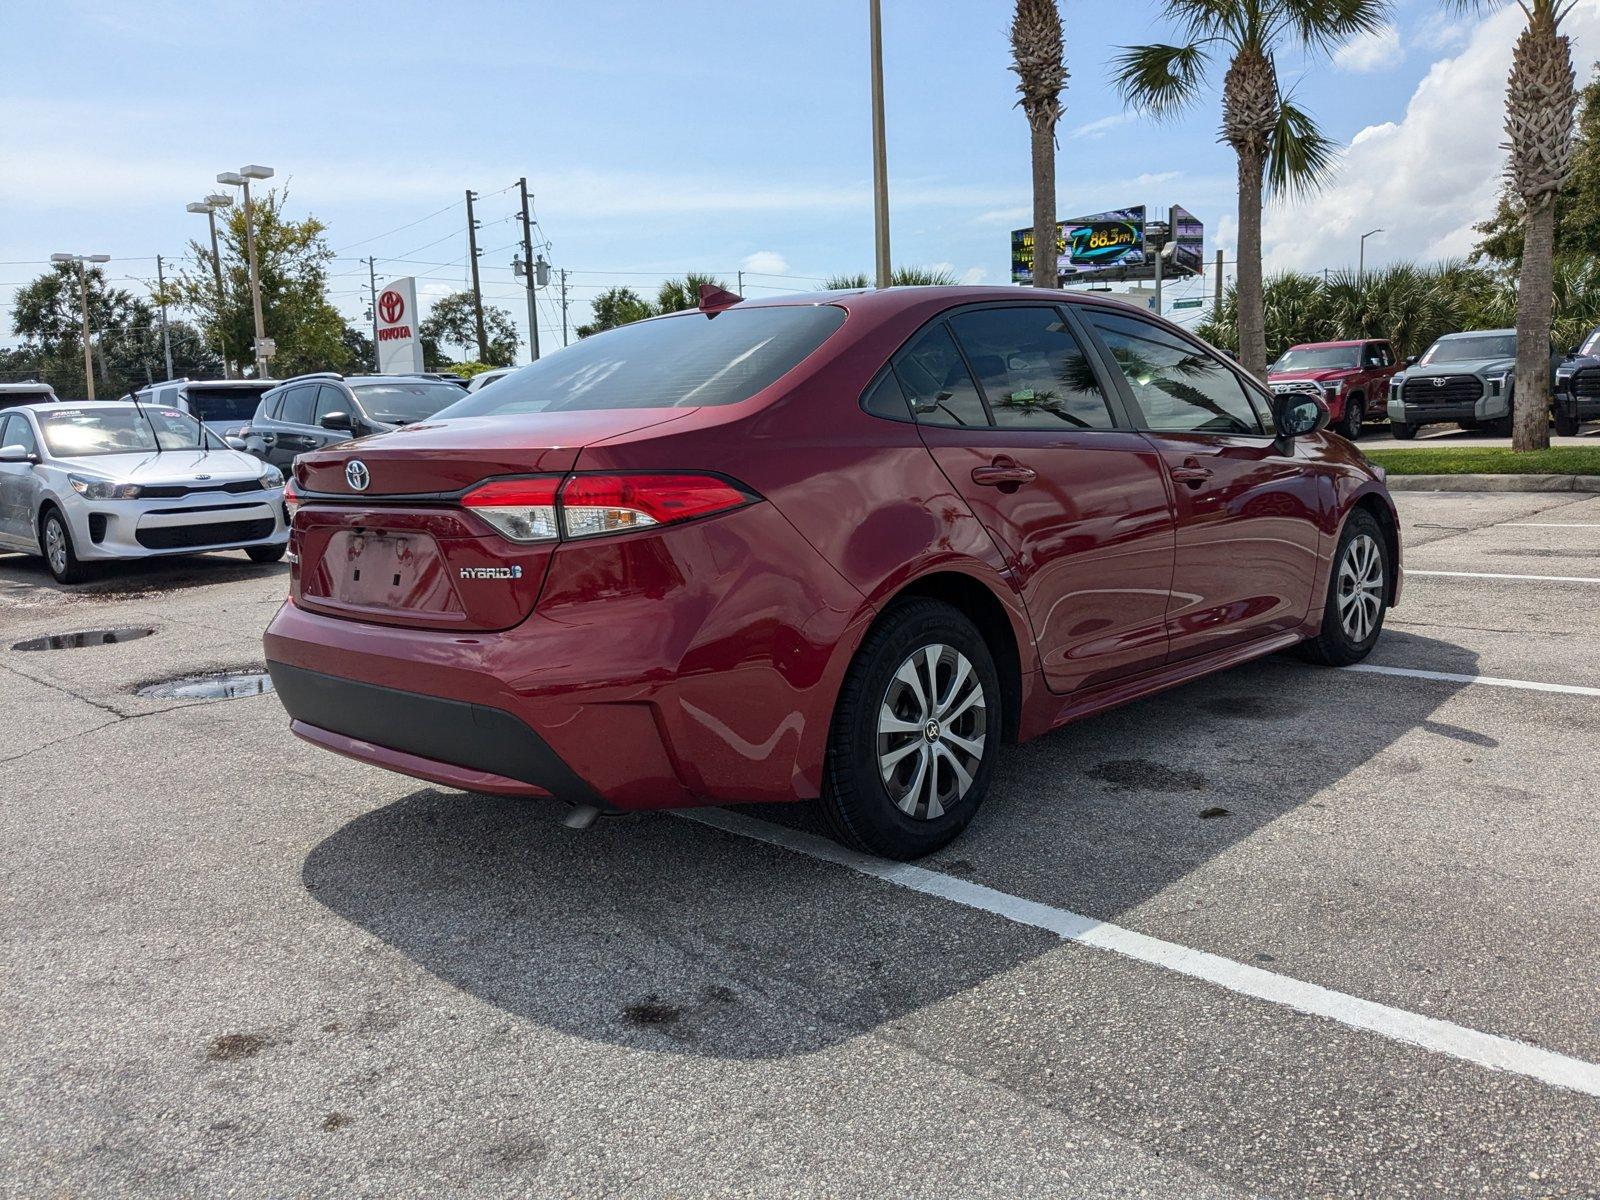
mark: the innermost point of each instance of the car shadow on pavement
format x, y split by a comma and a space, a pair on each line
655, 931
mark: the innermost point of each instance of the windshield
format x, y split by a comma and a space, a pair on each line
1490, 345
225, 404
1592, 346
402, 403
120, 429
681, 361
1317, 358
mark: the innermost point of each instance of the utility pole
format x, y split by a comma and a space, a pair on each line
1217, 304
533, 280
477, 290
372, 282
880, 160
563, 306
741, 283
166, 341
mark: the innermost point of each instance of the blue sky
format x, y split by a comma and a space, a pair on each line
704, 134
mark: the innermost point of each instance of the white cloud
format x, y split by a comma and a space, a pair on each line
766, 262
1368, 52
1428, 177
974, 275
1099, 129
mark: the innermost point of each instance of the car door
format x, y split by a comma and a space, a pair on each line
1248, 507
18, 483
293, 433
1019, 419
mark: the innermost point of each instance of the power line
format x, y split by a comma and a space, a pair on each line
399, 229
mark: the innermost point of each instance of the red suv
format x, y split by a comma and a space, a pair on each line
836, 546
1353, 377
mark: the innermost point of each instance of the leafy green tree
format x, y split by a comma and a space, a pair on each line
613, 307
292, 259
453, 322
1577, 206
1274, 140
125, 336
676, 295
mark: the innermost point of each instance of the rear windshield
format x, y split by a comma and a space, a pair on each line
402, 403
1493, 345
119, 429
12, 399
230, 404
682, 361
1318, 358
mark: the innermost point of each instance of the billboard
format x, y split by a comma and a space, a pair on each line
1115, 246
399, 341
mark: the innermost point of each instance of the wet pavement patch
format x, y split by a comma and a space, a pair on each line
1129, 774
88, 637
233, 1046
650, 1011
213, 685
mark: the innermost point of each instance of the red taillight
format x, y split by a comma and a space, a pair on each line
524, 510
596, 504
291, 500
541, 509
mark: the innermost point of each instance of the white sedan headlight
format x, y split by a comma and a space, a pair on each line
271, 478
102, 489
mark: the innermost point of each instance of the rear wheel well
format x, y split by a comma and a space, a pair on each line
984, 609
1391, 533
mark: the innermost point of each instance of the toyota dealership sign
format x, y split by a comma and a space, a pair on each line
399, 341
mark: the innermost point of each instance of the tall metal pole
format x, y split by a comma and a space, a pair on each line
477, 290
533, 280
88, 357
255, 280
166, 340
1217, 302
563, 306
740, 286
880, 160
216, 269
372, 282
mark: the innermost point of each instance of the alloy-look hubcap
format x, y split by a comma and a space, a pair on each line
932, 729
1361, 587
55, 545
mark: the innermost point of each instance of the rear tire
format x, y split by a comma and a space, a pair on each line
1358, 595
55, 540
1403, 431
915, 734
267, 554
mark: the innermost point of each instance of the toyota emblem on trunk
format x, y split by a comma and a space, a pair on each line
357, 475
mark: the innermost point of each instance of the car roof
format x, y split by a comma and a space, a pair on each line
1336, 345
44, 406
1466, 333
29, 386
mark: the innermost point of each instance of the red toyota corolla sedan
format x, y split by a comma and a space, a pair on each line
836, 546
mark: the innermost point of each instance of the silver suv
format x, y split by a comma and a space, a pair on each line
224, 406
312, 411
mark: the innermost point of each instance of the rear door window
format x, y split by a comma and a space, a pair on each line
1031, 368
1177, 386
937, 382
297, 405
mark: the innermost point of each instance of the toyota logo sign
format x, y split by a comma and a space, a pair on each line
357, 475
391, 306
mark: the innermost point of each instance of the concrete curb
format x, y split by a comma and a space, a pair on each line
1494, 483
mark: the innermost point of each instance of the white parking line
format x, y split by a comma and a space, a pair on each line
1527, 685
1490, 575
1413, 1029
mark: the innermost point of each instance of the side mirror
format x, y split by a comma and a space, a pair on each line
234, 443
338, 421
1411, 359
1299, 413
17, 454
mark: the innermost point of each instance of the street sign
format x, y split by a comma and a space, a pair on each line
266, 347
1195, 303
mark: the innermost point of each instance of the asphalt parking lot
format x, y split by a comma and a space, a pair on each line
1328, 933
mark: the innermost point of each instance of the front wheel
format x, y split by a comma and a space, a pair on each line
55, 539
1403, 431
914, 735
1355, 412
1566, 424
266, 554
1358, 595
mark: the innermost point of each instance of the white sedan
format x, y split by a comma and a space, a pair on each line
81, 483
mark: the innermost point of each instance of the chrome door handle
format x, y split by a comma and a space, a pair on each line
1003, 474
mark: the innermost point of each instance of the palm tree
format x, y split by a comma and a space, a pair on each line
676, 295
1275, 141
901, 277
1541, 99
1036, 57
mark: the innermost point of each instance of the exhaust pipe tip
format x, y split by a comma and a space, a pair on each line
581, 816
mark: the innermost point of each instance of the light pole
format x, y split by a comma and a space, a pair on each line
1361, 261
83, 292
242, 178
880, 158
209, 206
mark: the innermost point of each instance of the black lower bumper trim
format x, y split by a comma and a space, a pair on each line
447, 731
